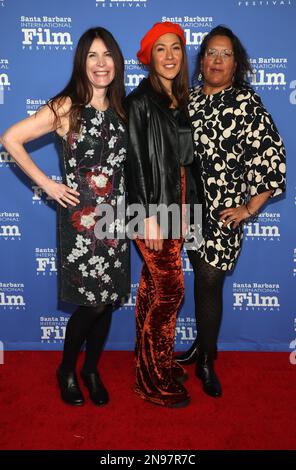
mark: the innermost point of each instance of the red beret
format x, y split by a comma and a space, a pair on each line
157, 30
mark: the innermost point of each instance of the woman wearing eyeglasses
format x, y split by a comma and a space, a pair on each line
241, 162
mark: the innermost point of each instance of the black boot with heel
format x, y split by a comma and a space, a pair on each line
97, 391
69, 387
206, 373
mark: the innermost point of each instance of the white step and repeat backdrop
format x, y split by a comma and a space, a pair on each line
37, 40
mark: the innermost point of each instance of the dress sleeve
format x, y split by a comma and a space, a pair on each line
265, 157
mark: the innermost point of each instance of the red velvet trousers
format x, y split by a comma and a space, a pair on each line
160, 294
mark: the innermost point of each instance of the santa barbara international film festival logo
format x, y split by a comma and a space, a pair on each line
39, 196
12, 296
195, 28
266, 227
122, 3
53, 329
264, 3
269, 73
33, 104
4, 78
293, 94
46, 33
131, 300
46, 261
185, 331
134, 73
294, 263
256, 296
187, 268
6, 160
10, 226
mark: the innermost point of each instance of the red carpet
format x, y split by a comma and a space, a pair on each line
257, 411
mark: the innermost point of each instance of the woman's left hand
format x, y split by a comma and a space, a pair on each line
234, 215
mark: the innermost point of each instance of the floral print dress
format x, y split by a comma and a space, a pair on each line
94, 270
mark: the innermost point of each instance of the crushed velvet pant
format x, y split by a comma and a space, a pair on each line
160, 294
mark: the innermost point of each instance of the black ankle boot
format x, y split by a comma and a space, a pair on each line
188, 357
97, 392
69, 388
206, 373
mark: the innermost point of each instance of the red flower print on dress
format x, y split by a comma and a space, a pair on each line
85, 219
99, 182
112, 243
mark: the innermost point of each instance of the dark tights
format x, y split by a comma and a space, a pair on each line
208, 295
89, 324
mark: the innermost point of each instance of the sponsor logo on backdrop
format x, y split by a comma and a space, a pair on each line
187, 268
9, 226
265, 228
32, 105
2, 3
4, 79
264, 3
46, 261
46, 33
12, 296
53, 329
294, 263
122, 3
6, 160
39, 196
131, 301
134, 73
185, 331
256, 296
269, 73
195, 28
293, 92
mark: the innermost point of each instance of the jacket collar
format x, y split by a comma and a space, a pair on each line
146, 88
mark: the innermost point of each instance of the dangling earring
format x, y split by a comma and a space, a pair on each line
199, 78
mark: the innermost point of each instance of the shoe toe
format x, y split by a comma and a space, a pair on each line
97, 391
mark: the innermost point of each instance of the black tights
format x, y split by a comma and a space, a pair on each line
89, 324
208, 295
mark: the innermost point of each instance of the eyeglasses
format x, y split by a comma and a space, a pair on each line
214, 53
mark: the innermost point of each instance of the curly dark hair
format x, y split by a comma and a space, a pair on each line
241, 58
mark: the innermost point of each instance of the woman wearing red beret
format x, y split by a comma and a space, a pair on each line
160, 149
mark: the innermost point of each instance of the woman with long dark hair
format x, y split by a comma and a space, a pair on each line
241, 161
88, 119
160, 149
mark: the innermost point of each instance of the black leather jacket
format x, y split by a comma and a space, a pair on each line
153, 167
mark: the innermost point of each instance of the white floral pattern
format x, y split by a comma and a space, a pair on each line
93, 271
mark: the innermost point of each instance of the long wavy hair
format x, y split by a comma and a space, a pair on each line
180, 82
241, 58
79, 88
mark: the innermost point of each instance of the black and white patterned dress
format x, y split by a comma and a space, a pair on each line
240, 155
93, 271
